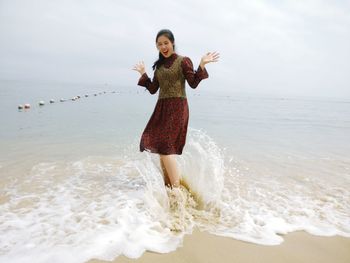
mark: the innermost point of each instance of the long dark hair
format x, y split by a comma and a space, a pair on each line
168, 34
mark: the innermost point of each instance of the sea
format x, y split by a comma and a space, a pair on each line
74, 185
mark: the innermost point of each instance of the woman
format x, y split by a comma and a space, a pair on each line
165, 133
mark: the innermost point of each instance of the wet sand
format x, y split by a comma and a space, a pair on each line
298, 247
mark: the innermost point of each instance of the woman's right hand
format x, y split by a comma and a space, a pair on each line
140, 67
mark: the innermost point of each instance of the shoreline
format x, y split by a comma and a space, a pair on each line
298, 247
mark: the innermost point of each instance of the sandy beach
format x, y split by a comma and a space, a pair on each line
297, 247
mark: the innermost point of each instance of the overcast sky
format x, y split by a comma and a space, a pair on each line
281, 47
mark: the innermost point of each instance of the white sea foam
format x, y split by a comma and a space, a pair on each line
103, 207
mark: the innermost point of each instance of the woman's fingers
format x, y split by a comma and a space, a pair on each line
136, 67
216, 56
212, 57
140, 66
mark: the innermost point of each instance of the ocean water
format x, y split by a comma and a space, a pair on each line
74, 185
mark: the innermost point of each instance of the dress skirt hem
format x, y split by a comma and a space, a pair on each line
166, 131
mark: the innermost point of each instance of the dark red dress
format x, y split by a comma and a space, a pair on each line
165, 132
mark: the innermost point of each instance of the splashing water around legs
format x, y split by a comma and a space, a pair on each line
181, 209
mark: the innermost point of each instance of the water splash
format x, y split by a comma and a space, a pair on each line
103, 207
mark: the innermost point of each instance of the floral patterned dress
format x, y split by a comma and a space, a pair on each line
166, 131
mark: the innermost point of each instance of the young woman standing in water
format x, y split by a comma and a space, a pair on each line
165, 133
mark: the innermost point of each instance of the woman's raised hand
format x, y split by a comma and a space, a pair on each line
140, 67
209, 57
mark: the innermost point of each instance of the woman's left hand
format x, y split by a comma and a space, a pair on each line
209, 57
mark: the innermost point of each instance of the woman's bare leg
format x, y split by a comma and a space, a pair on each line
165, 173
170, 165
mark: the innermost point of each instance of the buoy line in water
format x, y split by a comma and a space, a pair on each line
42, 103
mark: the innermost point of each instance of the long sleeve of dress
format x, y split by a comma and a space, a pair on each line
193, 77
151, 85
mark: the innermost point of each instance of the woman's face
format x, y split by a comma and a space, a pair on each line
165, 46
